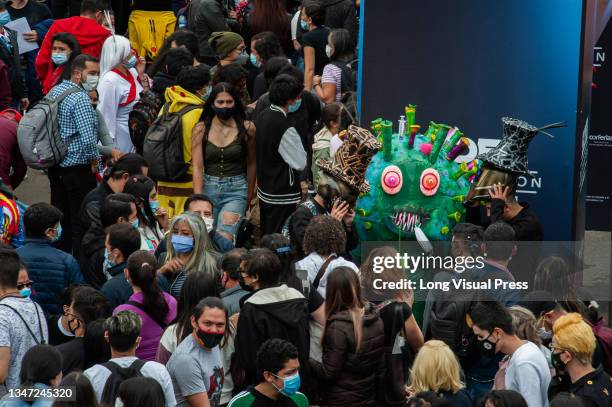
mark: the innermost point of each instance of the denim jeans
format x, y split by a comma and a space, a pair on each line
229, 197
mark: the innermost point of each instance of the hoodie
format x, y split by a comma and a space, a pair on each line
275, 312
89, 34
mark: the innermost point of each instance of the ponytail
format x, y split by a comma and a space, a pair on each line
142, 269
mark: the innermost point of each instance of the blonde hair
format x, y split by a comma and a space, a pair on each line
435, 368
575, 336
524, 324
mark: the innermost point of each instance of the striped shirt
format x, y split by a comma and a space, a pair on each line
333, 74
78, 125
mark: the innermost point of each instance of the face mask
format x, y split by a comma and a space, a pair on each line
291, 384
154, 205
108, 263
244, 285
242, 58
557, 363
295, 106
486, 348
207, 93
5, 17
59, 234
304, 25
135, 223
209, 339
182, 244
130, 62
544, 334
59, 58
224, 113
254, 61
329, 51
209, 223
25, 292
90, 83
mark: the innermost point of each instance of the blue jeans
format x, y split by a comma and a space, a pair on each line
229, 197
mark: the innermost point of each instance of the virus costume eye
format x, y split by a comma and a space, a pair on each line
391, 180
430, 182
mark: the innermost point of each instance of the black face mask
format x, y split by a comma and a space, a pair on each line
244, 285
486, 347
209, 339
224, 113
557, 363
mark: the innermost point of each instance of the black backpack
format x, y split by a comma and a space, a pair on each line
348, 91
163, 146
142, 117
117, 376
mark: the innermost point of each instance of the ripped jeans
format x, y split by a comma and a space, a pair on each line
229, 197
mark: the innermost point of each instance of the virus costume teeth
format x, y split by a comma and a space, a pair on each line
415, 182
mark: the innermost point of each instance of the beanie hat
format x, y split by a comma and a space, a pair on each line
224, 42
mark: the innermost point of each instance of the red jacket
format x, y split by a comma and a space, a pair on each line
88, 33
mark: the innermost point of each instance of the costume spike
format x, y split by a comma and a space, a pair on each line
463, 169
414, 129
456, 216
437, 144
387, 139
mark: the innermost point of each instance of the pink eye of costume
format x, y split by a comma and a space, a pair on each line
430, 182
391, 180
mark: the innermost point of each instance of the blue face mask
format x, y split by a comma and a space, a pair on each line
207, 93
59, 234
254, 61
59, 58
5, 17
108, 263
182, 244
135, 223
304, 25
25, 292
154, 205
291, 384
130, 62
295, 106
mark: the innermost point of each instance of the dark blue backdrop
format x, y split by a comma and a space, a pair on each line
468, 63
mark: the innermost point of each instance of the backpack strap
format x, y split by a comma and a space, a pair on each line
111, 387
321, 272
69, 91
42, 337
141, 307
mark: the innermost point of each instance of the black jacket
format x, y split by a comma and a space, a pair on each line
275, 312
92, 259
341, 14
349, 377
595, 388
161, 81
90, 214
205, 17
528, 233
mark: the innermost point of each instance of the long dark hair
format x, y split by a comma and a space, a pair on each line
196, 286
343, 293
140, 187
212, 302
267, 45
40, 364
344, 49
75, 50
185, 38
209, 112
142, 267
83, 391
141, 392
270, 15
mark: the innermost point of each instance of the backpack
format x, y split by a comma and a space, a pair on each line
117, 376
142, 117
38, 135
163, 146
286, 230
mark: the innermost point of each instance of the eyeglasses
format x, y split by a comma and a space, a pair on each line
553, 348
27, 284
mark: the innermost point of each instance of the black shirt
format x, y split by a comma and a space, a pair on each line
34, 12
394, 316
73, 355
56, 336
317, 39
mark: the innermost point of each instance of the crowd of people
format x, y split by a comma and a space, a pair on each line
198, 248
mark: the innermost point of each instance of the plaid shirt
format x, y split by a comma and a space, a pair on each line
78, 125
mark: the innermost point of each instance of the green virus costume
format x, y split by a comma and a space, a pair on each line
415, 182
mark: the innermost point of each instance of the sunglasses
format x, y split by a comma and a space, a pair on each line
27, 284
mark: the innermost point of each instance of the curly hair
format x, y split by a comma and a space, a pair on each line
324, 236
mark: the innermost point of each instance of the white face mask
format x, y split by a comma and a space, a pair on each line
209, 223
329, 51
91, 82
